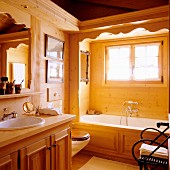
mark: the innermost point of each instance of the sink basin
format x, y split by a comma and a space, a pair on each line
21, 123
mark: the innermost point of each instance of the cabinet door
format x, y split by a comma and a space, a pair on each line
36, 156
9, 162
61, 152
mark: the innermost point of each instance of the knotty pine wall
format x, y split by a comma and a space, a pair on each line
109, 99
153, 101
84, 89
59, 88
38, 63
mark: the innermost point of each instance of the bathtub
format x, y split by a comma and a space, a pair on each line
111, 120
112, 140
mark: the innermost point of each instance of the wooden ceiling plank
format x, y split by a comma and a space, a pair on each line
141, 15
130, 4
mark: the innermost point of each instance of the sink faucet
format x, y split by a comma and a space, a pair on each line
9, 115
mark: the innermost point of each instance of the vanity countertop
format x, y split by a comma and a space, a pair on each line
10, 136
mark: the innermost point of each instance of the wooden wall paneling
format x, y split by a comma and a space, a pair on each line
60, 89
35, 58
66, 74
84, 97
84, 89
53, 95
153, 101
74, 75
13, 104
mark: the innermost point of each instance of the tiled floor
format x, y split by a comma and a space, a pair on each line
85, 162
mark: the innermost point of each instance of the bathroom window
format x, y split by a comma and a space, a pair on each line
135, 63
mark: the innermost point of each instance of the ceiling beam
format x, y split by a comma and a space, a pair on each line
130, 4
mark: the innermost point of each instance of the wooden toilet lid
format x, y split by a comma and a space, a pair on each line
79, 135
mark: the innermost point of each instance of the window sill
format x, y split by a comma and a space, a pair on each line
127, 84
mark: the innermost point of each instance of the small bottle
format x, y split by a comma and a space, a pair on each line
3, 85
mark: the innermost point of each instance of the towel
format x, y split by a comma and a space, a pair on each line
146, 149
50, 111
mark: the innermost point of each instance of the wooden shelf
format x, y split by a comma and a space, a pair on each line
26, 94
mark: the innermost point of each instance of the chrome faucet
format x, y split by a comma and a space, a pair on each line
8, 115
131, 107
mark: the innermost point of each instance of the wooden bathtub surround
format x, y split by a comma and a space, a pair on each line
43, 147
112, 142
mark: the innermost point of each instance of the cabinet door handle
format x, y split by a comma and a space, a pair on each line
54, 145
49, 148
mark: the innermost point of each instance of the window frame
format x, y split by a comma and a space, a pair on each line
162, 81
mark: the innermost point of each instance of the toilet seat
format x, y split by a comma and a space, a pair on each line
79, 135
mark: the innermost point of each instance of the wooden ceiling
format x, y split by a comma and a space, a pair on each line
92, 9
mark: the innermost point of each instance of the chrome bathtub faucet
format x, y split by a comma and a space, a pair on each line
131, 107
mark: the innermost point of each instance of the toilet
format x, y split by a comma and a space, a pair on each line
80, 139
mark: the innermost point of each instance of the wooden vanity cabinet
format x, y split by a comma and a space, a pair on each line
50, 153
40, 148
9, 162
36, 156
61, 150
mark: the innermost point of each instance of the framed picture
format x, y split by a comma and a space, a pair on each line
54, 48
54, 71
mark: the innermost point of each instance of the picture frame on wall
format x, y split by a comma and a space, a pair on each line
54, 71
54, 48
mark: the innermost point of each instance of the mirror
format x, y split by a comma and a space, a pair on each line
28, 107
14, 50
15, 57
84, 66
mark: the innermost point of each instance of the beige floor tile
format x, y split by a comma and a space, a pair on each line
96, 163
